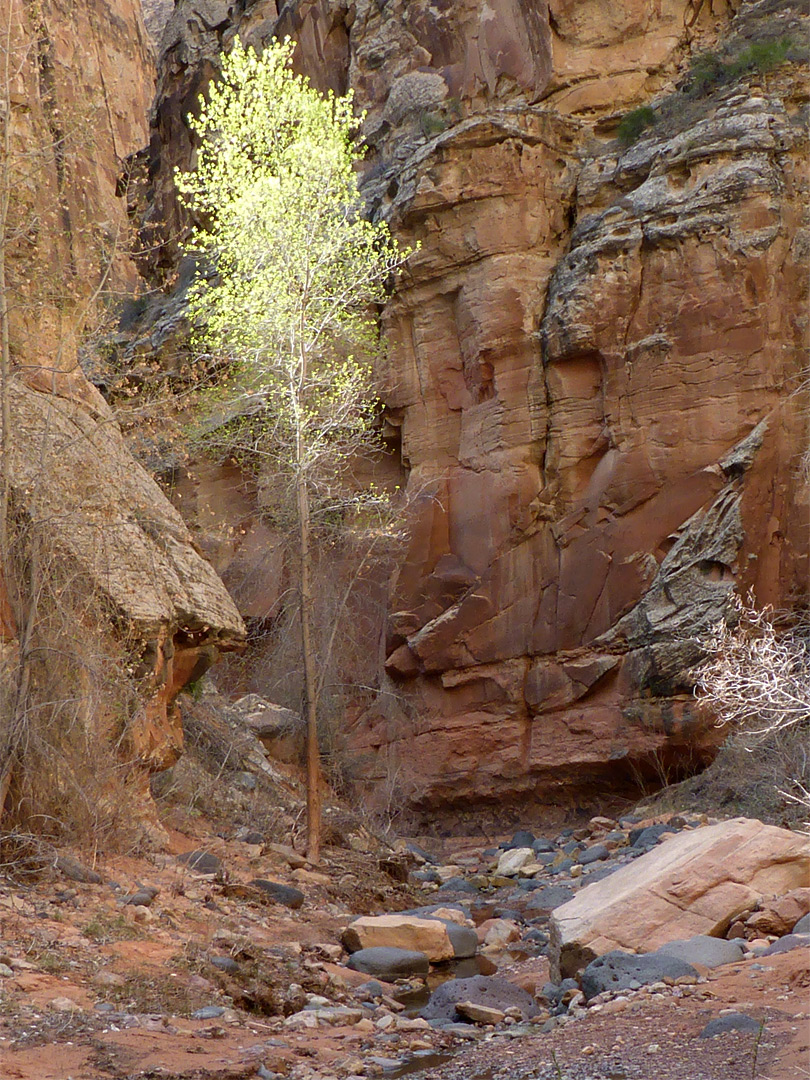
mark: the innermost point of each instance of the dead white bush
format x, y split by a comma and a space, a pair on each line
758, 677
757, 681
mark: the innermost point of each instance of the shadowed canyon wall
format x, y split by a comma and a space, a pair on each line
594, 359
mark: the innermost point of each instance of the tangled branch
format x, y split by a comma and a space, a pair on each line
758, 675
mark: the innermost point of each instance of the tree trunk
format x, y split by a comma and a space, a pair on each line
6, 737
310, 678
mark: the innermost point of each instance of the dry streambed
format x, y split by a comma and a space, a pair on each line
237, 959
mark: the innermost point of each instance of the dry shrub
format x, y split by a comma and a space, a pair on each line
756, 682
67, 700
351, 573
758, 676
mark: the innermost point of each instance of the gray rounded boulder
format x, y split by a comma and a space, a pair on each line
388, 963
491, 991
619, 970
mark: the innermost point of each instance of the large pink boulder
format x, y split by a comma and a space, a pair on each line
694, 883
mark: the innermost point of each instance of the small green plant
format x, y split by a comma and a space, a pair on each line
635, 123
104, 928
52, 962
708, 70
432, 123
194, 689
760, 56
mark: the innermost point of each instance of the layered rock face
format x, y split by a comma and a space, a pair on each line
81, 82
592, 361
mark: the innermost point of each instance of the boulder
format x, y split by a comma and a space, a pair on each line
388, 963
710, 952
694, 883
619, 970
780, 914
281, 731
428, 936
491, 991
463, 939
549, 898
787, 944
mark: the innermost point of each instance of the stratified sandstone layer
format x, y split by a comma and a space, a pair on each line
592, 361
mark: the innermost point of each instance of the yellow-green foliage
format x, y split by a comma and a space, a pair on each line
298, 271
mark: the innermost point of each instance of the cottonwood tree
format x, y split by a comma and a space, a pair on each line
295, 274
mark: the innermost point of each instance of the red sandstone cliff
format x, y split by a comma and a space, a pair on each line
594, 357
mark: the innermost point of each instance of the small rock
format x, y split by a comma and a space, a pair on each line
780, 915
311, 877
64, 1004
143, 897
419, 853
498, 933
5, 971
280, 893
594, 854
463, 939
248, 836
511, 861
75, 871
730, 1022
546, 899
226, 964
293, 859
202, 862
480, 1014
336, 1015
106, 979
522, 839
208, 1012
458, 884
647, 838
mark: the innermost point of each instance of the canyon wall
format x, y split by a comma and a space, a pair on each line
79, 80
593, 362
